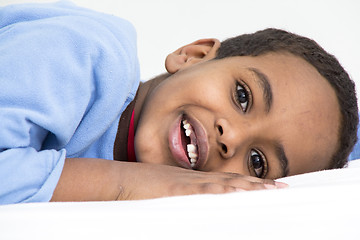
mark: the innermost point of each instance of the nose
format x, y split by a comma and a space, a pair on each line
228, 138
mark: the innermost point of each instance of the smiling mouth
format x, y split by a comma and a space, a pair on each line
189, 143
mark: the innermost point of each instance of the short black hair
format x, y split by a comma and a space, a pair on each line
277, 40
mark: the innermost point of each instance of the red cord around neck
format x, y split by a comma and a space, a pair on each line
130, 144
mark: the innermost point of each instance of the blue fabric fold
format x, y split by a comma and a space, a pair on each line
66, 75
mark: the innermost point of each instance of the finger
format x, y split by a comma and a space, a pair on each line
215, 188
238, 181
202, 188
259, 180
244, 177
253, 184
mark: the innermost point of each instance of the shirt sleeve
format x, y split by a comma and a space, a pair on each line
60, 66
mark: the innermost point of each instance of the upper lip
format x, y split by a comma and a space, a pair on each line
201, 140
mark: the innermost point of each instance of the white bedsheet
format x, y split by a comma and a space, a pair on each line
320, 205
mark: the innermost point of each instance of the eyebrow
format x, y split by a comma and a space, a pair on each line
281, 156
263, 81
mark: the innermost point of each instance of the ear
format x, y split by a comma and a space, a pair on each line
198, 51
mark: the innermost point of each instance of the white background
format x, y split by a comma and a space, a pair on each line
165, 25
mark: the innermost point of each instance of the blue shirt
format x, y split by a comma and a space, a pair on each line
355, 154
66, 75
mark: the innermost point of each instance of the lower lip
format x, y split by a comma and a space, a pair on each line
175, 144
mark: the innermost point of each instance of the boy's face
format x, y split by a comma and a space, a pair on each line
266, 116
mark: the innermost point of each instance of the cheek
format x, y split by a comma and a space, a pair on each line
212, 96
150, 149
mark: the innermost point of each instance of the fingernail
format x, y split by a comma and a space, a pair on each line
281, 185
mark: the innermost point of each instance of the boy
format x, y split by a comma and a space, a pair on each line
228, 116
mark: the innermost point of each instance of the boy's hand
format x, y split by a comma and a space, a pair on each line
99, 180
153, 181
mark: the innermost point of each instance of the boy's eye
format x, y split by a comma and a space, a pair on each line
242, 96
258, 163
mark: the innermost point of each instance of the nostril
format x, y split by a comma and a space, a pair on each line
224, 148
220, 130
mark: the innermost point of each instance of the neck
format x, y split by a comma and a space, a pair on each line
121, 140
145, 89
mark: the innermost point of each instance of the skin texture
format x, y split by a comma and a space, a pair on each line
103, 180
304, 117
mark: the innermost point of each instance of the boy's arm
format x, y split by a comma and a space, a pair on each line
99, 179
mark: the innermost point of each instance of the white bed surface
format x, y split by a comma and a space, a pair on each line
321, 205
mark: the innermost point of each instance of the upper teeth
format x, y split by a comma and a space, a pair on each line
191, 148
